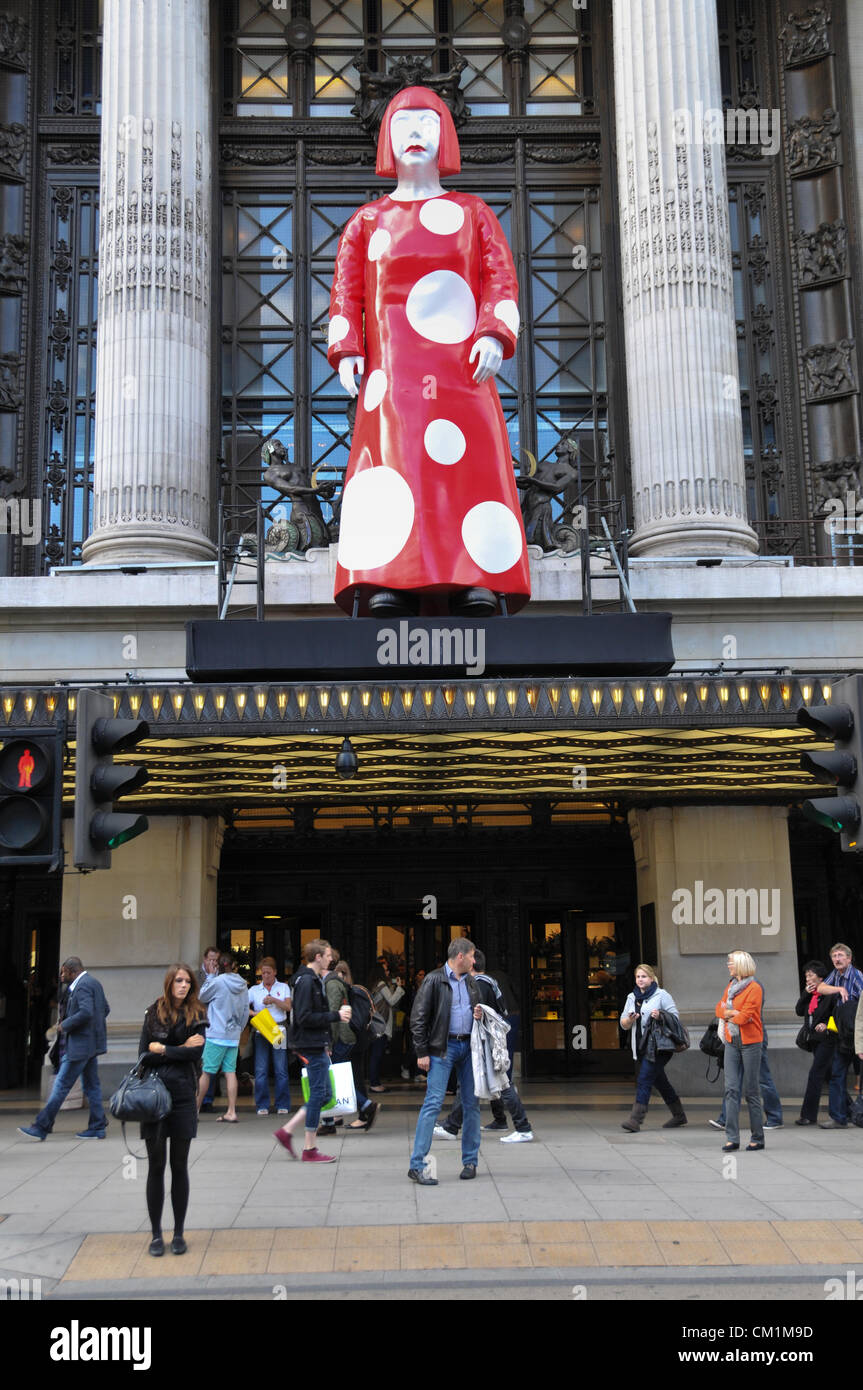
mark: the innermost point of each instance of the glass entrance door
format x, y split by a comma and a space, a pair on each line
578, 976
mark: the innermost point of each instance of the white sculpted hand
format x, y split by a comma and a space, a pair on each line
348, 367
490, 353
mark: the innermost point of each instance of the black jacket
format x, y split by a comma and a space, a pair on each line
311, 1016
431, 1010
662, 1034
821, 1014
177, 1065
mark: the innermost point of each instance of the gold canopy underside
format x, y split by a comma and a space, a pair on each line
592, 765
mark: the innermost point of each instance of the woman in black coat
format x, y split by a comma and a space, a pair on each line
173, 1038
815, 1010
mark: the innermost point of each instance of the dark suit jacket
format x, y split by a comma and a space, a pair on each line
84, 1023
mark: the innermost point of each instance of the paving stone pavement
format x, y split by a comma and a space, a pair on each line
584, 1197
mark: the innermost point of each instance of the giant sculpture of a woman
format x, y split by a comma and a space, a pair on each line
423, 311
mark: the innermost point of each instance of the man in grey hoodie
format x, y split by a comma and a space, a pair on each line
227, 998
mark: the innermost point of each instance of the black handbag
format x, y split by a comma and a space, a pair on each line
807, 1039
714, 1047
142, 1095
711, 1043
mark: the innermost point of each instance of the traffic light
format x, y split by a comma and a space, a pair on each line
31, 799
841, 721
98, 783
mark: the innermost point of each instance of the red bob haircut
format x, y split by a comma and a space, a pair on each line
422, 99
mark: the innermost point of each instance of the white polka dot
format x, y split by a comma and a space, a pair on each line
376, 389
507, 311
377, 516
492, 537
379, 242
339, 328
441, 307
441, 217
444, 441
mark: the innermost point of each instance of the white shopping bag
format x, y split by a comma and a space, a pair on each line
341, 1085
346, 1096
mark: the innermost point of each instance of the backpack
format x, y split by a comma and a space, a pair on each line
364, 1015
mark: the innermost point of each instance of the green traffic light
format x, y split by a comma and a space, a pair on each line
141, 824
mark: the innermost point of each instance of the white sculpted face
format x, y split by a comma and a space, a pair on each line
415, 137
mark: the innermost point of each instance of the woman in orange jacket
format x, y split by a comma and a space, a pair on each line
741, 1029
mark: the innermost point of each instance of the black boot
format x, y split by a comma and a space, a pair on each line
473, 603
393, 603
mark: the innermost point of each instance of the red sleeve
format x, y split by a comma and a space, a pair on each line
498, 309
345, 337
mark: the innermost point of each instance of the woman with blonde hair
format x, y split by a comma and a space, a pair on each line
742, 1031
652, 1052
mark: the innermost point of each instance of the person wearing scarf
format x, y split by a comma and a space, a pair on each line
816, 1009
742, 1031
642, 1006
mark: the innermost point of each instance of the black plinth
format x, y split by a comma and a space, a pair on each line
612, 644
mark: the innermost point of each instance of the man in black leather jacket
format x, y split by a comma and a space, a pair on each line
441, 1022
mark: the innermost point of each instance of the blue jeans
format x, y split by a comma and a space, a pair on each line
318, 1068
838, 1095
769, 1094
652, 1074
88, 1070
742, 1068
263, 1052
458, 1055
376, 1056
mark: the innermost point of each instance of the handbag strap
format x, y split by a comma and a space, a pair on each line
129, 1148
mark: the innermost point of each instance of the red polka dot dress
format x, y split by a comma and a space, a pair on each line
430, 502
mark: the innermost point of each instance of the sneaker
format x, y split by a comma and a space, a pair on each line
285, 1141
315, 1156
773, 1124
518, 1136
31, 1132
497, 1124
823, 1124
714, 1124
91, 1134
440, 1132
283, 1110
801, 1121
266, 1112
405, 1074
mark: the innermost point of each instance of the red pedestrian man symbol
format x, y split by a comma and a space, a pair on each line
26, 765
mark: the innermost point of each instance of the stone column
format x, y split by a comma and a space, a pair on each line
153, 454
686, 433
719, 879
156, 905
